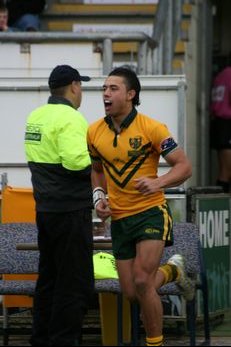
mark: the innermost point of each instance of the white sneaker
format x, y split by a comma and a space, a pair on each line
184, 282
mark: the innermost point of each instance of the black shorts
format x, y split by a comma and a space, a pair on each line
152, 224
220, 133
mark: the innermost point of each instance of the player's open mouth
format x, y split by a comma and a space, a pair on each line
107, 104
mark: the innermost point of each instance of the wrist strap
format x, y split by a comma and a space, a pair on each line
98, 194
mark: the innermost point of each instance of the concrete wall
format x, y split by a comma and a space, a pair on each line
38, 59
162, 97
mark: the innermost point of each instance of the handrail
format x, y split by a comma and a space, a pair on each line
34, 37
105, 37
166, 29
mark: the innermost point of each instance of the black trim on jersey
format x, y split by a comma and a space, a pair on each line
131, 161
132, 173
144, 153
125, 124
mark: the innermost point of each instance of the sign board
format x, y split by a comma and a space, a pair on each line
213, 216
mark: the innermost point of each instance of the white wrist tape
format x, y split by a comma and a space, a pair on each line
98, 195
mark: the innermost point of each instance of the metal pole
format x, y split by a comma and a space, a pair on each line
159, 20
142, 58
177, 15
107, 56
4, 180
158, 36
168, 54
35, 37
181, 114
206, 56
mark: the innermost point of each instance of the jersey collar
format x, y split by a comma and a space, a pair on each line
125, 124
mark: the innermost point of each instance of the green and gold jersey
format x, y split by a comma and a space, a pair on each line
132, 153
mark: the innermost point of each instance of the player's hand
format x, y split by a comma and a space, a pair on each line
147, 186
103, 210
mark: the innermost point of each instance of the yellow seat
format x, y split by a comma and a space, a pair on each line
18, 206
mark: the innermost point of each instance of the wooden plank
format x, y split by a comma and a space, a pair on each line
28, 246
125, 47
187, 9
180, 47
93, 9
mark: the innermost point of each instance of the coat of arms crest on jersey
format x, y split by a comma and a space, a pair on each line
135, 142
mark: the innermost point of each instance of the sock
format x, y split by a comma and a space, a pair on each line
154, 341
170, 272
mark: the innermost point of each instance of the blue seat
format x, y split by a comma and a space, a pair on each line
13, 261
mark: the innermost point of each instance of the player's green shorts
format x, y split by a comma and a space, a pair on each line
152, 224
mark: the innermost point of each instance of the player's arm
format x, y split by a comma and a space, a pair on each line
98, 182
99, 191
180, 170
97, 176
180, 166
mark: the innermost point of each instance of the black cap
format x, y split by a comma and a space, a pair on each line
62, 75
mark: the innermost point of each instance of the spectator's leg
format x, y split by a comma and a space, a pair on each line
28, 22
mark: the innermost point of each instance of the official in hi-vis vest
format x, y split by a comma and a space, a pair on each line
57, 155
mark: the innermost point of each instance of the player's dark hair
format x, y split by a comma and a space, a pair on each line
131, 81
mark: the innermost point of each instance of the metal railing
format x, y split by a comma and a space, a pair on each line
105, 38
155, 53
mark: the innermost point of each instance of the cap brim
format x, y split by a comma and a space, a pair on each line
85, 78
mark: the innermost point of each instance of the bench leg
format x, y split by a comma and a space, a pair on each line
5, 326
120, 319
206, 314
191, 320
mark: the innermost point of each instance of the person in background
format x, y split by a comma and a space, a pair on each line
125, 147
4, 18
220, 135
58, 158
24, 15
